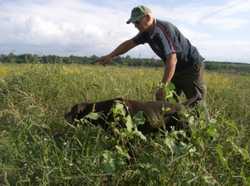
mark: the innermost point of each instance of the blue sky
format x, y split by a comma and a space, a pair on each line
219, 29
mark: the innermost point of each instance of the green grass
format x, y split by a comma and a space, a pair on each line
33, 99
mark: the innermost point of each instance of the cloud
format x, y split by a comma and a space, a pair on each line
64, 23
237, 51
226, 16
82, 28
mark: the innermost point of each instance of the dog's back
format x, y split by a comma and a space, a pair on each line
157, 114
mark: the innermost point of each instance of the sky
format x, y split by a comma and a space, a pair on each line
219, 29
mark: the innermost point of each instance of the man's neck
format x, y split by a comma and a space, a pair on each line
152, 25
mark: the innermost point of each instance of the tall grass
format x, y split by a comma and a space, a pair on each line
38, 147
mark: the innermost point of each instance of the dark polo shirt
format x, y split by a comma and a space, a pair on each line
164, 39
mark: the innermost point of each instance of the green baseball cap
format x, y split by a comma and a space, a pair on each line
137, 13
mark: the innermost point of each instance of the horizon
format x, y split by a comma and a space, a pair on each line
124, 56
82, 28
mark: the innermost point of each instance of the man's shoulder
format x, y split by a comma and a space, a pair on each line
165, 23
167, 26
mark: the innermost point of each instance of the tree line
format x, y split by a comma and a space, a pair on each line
127, 61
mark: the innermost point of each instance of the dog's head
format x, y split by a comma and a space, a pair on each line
77, 112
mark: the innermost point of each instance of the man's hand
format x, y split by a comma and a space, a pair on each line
161, 91
121, 49
160, 95
104, 60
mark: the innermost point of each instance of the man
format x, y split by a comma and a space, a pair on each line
183, 65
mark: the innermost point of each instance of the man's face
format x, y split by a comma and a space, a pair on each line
142, 25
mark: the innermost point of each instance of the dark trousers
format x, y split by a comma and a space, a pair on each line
190, 82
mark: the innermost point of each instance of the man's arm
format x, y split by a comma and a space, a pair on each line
121, 49
169, 69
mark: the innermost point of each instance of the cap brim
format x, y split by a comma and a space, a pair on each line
132, 20
128, 21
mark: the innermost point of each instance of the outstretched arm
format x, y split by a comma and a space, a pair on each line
121, 49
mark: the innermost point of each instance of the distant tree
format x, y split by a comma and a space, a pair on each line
11, 58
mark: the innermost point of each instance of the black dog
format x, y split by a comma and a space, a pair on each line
157, 114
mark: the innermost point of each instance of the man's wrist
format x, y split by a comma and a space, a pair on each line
162, 84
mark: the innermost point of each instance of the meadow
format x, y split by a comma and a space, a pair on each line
34, 98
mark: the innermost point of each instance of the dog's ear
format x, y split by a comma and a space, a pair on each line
78, 108
81, 107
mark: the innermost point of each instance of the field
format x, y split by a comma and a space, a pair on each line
34, 98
